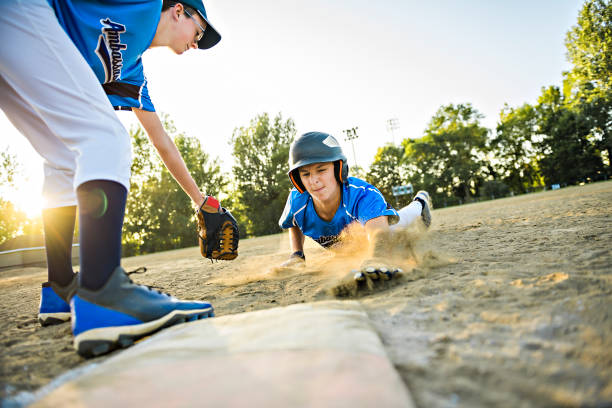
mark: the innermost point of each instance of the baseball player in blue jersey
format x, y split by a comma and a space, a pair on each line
324, 200
61, 62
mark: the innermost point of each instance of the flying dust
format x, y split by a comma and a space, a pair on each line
332, 271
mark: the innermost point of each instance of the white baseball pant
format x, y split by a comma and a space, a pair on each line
407, 215
51, 95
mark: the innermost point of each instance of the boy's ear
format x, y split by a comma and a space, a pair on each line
176, 11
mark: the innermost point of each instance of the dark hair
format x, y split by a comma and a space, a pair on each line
166, 4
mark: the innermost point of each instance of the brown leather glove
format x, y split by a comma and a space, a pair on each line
218, 231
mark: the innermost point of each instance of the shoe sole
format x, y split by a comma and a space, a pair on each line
426, 211
95, 342
426, 215
50, 319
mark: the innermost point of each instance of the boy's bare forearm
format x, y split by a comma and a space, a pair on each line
296, 239
169, 154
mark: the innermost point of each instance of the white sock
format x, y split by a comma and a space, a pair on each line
408, 214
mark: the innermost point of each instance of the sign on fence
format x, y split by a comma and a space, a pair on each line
401, 190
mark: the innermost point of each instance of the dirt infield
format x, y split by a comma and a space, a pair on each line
509, 302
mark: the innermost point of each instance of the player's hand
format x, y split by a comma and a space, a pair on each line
297, 259
373, 275
218, 231
376, 269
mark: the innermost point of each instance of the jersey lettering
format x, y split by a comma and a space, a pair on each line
327, 240
109, 49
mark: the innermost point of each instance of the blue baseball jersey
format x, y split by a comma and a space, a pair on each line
360, 202
112, 35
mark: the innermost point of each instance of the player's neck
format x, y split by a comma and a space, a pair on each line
162, 34
328, 208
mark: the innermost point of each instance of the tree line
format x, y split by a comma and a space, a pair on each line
562, 139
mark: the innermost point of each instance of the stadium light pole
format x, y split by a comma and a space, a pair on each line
351, 135
392, 126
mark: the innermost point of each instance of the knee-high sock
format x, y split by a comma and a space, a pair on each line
101, 212
408, 214
58, 226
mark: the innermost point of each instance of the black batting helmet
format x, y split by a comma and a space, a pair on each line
316, 147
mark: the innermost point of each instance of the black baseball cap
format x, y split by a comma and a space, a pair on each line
211, 36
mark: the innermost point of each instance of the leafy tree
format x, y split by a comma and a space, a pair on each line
9, 167
261, 153
493, 188
386, 171
513, 148
597, 114
159, 215
567, 152
588, 86
449, 160
589, 45
357, 171
12, 221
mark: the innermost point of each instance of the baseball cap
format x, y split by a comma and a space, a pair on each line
211, 35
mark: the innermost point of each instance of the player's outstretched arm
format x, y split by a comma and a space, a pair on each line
296, 240
169, 154
376, 225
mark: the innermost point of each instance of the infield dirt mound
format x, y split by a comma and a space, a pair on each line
508, 304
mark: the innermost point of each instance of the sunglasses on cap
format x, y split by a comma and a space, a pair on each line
201, 33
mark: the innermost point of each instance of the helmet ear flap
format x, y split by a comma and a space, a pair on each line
341, 171
297, 181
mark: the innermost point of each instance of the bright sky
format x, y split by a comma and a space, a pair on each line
335, 65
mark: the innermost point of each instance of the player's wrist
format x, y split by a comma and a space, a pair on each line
298, 254
200, 200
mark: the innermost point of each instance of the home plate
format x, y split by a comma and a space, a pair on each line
323, 354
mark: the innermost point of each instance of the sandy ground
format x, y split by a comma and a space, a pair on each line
508, 302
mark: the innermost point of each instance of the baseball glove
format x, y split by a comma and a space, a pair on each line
218, 231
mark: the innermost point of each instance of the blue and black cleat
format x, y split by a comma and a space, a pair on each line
122, 312
54, 305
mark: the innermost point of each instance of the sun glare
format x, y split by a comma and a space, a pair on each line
29, 201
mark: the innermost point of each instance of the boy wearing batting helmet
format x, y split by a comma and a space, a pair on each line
325, 200
61, 62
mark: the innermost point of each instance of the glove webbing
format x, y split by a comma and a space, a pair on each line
229, 233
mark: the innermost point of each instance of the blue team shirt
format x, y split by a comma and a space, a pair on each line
112, 35
360, 202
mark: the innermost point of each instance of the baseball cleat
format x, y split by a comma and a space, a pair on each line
372, 273
122, 312
425, 200
54, 307
358, 276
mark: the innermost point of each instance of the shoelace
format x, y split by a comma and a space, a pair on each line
143, 269
140, 269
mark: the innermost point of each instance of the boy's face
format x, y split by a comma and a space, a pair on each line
319, 180
187, 30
